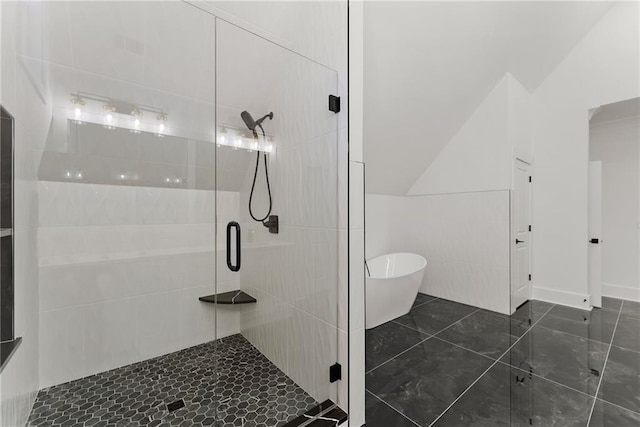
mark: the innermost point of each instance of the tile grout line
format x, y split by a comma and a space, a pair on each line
441, 330
423, 303
464, 348
604, 366
394, 409
413, 346
578, 336
489, 368
399, 354
543, 378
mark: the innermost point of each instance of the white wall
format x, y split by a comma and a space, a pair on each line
603, 68
617, 145
20, 94
478, 157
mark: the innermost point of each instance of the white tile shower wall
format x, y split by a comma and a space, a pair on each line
464, 237
356, 293
294, 275
20, 95
122, 268
317, 30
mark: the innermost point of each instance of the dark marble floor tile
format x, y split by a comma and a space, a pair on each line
597, 324
483, 332
388, 340
569, 360
608, 415
435, 316
507, 396
611, 303
621, 379
528, 314
422, 298
379, 414
422, 382
628, 333
631, 309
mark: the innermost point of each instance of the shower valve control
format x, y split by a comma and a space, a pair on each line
272, 224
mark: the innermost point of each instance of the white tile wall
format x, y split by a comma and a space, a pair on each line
127, 289
295, 275
464, 237
356, 293
21, 97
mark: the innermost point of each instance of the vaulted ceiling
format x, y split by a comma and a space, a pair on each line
428, 65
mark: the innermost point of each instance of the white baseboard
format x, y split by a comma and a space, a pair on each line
571, 299
621, 292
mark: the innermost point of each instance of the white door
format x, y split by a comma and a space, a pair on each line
520, 234
595, 233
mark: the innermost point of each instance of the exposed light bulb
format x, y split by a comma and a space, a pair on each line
136, 126
77, 110
161, 127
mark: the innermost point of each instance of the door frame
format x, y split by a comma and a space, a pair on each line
594, 251
513, 233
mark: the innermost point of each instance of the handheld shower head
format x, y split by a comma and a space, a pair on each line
253, 124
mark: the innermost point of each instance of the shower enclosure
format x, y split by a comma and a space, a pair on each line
161, 300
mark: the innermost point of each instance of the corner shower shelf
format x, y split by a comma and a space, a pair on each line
233, 297
7, 349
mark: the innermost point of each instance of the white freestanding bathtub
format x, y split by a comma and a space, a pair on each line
392, 285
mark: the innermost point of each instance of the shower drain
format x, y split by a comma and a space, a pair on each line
174, 406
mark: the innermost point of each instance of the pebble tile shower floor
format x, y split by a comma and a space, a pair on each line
249, 391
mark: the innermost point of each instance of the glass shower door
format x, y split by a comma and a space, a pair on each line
126, 196
278, 225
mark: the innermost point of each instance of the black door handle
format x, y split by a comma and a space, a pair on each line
235, 225
519, 241
594, 241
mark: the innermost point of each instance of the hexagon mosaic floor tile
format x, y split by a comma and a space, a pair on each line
249, 391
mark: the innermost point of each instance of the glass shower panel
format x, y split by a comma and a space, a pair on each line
126, 210
288, 278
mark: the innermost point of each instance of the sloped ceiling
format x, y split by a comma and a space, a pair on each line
428, 65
